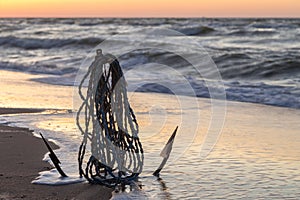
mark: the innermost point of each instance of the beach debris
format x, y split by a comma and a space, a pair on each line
165, 153
54, 158
108, 125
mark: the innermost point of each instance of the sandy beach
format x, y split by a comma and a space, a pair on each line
21, 161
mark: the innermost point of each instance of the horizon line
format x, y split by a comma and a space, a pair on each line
152, 17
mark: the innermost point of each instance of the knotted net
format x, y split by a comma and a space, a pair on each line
108, 125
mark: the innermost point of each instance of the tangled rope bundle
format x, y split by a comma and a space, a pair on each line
108, 125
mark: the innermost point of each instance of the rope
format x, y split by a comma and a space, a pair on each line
109, 126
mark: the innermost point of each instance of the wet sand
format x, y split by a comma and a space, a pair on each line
21, 161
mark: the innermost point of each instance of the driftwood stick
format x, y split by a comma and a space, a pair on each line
165, 153
54, 158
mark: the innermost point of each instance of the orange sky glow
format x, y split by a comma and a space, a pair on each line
149, 8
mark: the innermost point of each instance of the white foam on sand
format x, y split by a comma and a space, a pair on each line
52, 177
135, 194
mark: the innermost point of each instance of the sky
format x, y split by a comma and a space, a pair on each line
149, 8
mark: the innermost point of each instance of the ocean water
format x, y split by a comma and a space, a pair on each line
255, 153
258, 59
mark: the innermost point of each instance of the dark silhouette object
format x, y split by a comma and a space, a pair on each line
165, 153
54, 158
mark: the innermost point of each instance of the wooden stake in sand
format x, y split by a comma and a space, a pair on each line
54, 158
165, 153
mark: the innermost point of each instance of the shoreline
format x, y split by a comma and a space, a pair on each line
21, 161
31, 84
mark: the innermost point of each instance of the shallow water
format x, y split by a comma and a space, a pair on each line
251, 159
256, 157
